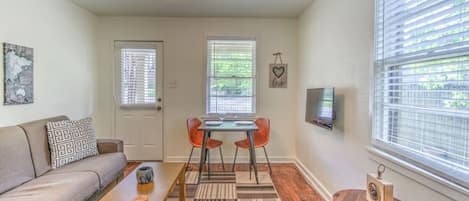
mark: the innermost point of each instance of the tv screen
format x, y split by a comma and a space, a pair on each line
320, 107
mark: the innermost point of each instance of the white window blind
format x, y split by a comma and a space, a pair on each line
421, 85
231, 76
137, 75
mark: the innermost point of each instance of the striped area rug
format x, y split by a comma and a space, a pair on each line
227, 186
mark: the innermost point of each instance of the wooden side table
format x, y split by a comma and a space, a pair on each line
351, 195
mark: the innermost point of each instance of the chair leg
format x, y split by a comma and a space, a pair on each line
268, 161
234, 162
221, 156
189, 160
208, 159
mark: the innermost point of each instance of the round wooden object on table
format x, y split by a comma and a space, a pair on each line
351, 195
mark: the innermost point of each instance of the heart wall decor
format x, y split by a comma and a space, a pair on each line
278, 76
278, 71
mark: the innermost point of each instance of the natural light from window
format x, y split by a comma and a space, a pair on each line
231, 76
137, 76
421, 85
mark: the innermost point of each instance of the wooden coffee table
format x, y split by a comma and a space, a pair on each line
167, 176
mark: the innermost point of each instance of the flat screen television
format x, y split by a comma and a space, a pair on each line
320, 107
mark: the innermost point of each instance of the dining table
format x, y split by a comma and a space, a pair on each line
228, 126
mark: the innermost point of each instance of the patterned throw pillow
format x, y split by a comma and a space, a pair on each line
71, 141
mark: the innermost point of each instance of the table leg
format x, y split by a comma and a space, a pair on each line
202, 155
208, 156
252, 152
250, 167
182, 186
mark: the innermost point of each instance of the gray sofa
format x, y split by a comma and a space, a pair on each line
26, 173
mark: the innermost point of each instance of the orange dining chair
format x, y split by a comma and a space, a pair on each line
261, 139
196, 137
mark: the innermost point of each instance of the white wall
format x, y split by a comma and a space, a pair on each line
335, 48
184, 59
62, 36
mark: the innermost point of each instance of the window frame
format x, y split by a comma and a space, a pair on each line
208, 77
158, 46
402, 156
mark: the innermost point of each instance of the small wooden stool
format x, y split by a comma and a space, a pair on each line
351, 195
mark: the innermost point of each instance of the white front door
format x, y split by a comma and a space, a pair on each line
139, 98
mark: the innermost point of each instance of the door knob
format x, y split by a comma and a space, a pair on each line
158, 108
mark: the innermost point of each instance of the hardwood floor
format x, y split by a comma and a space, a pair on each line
130, 167
288, 180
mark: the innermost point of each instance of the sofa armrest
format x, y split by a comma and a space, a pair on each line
110, 146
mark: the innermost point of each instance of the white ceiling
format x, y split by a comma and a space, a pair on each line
196, 8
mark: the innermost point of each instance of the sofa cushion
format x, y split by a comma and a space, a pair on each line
77, 186
16, 166
71, 141
37, 136
106, 166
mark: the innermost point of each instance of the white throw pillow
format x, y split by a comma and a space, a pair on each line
71, 141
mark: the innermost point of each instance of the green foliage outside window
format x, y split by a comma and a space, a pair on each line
232, 74
448, 78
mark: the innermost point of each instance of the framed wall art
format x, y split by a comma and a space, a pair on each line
18, 79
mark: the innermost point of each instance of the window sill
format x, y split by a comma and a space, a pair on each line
428, 179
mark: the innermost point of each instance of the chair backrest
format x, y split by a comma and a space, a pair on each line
264, 129
195, 136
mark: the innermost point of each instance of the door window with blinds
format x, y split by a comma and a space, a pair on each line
138, 73
421, 85
231, 76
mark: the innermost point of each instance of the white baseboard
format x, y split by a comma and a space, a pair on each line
229, 160
313, 181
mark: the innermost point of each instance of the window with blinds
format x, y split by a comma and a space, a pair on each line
138, 77
421, 85
231, 76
